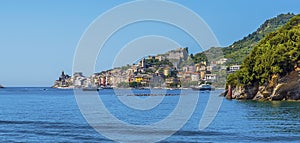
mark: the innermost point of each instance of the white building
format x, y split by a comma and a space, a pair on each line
211, 77
222, 61
160, 58
189, 69
195, 77
78, 82
223, 67
234, 68
212, 67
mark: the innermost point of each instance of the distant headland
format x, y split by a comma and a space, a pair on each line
272, 69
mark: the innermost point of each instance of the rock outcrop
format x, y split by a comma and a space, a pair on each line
1, 86
278, 88
288, 88
247, 92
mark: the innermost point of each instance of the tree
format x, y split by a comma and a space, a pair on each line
276, 53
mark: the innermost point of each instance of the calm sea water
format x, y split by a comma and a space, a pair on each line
52, 115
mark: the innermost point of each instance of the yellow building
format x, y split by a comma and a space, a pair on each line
200, 67
172, 82
167, 71
202, 74
138, 79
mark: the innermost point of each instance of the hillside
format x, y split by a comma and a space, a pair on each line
269, 66
240, 49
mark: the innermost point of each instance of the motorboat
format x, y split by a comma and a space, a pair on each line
204, 87
90, 89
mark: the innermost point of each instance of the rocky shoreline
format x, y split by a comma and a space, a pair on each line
277, 89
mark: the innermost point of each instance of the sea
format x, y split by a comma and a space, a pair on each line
41, 114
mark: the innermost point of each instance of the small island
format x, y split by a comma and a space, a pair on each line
1, 86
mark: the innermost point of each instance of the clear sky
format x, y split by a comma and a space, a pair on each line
38, 38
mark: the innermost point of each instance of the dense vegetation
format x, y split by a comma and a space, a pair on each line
276, 54
240, 49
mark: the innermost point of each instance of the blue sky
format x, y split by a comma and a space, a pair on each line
38, 39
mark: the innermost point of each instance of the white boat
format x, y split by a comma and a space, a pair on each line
204, 87
91, 88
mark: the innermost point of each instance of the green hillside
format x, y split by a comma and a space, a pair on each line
240, 49
276, 53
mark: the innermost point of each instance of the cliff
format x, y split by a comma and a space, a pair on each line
283, 88
272, 69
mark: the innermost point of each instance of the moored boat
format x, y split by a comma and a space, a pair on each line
204, 87
90, 89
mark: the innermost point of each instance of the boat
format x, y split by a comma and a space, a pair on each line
203, 87
143, 88
106, 87
90, 89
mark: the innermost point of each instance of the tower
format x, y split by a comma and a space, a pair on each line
63, 73
143, 63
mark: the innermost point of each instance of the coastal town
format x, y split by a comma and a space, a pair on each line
173, 69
